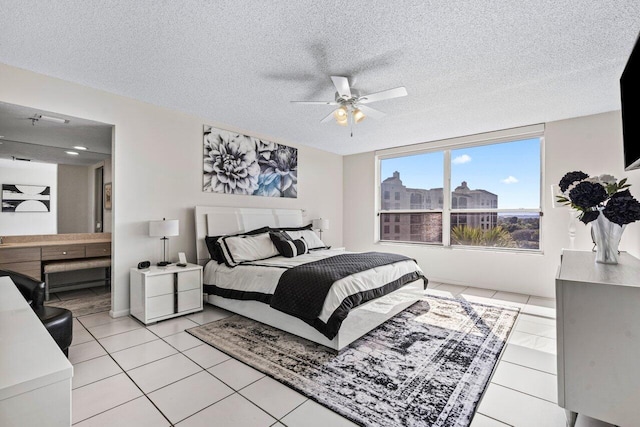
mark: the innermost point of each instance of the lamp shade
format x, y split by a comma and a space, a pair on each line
164, 228
320, 224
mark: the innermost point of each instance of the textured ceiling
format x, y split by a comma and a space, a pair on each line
469, 66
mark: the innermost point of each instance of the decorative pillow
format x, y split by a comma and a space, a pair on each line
216, 252
287, 247
237, 249
309, 236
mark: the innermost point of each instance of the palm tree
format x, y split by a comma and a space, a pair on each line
475, 236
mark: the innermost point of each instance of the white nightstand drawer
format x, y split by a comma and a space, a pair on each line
188, 280
160, 306
189, 300
160, 285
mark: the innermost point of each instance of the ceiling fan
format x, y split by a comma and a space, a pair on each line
352, 105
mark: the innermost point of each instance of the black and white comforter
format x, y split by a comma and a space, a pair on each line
319, 288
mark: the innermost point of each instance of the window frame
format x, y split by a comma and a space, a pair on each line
446, 147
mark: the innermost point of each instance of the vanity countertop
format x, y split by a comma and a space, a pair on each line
54, 240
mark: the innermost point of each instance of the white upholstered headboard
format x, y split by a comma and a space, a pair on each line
216, 221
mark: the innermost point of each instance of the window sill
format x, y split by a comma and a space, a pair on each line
438, 246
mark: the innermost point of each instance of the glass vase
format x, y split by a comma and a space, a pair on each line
606, 235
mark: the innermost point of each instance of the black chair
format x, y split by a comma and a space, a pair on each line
58, 321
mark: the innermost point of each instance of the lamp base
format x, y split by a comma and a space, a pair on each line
163, 263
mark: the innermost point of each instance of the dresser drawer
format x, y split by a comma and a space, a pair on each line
62, 252
97, 250
189, 300
160, 306
9, 255
160, 284
188, 280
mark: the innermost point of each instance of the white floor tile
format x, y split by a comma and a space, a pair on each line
312, 414
551, 321
184, 398
234, 411
583, 421
536, 328
511, 297
480, 420
182, 341
136, 413
124, 340
139, 355
171, 326
530, 358
519, 409
93, 370
98, 319
206, 356
125, 325
540, 311
101, 396
272, 396
478, 292
534, 342
85, 351
80, 335
162, 372
236, 374
526, 380
542, 302
450, 290
209, 314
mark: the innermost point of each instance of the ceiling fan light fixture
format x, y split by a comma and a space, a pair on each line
358, 116
341, 113
343, 121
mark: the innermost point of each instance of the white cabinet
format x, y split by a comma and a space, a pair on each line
159, 293
598, 325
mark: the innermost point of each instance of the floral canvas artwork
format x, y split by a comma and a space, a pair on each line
242, 164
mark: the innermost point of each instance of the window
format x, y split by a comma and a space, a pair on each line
493, 195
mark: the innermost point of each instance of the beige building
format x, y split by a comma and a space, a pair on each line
427, 227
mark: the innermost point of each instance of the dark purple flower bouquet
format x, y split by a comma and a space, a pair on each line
593, 195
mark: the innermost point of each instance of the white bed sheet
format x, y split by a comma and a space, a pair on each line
263, 276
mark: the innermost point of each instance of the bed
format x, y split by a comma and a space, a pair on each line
259, 280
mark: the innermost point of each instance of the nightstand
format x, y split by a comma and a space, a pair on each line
159, 293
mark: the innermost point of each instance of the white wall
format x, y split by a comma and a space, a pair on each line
29, 173
157, 169
592, 144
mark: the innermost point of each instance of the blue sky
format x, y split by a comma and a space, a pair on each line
510, 170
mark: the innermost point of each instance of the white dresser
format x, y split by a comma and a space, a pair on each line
35, 376
159, 293
598, 325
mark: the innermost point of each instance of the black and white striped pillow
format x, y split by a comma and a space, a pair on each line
287, 247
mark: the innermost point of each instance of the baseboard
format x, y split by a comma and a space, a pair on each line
119, 313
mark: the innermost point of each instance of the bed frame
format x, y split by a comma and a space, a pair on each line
215, 221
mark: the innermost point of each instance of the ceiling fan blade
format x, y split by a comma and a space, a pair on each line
328, 118
342, 86
315, 102
385, 94
371, 112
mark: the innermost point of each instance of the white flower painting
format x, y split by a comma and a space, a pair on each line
241, 164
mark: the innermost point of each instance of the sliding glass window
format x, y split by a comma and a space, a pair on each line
493, 196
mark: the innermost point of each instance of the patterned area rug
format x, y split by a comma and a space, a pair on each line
427, 366
82, 306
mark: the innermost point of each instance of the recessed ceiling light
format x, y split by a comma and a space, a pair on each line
72, 153
80, 147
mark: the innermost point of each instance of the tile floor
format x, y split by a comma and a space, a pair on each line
127, 374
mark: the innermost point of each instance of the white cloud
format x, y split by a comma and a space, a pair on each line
509, 180
464, 158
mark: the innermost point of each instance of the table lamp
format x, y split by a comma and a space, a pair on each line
320, 225
164, 228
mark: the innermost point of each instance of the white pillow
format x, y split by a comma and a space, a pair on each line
309, 236
237, 249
